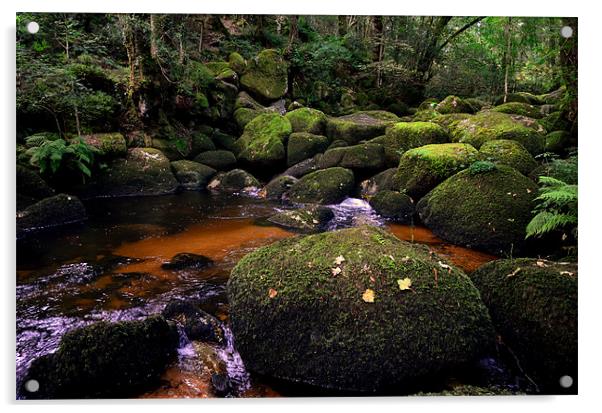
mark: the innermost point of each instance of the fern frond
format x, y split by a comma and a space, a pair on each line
546, 221
549, 181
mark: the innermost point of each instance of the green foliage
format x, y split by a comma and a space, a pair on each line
556, 208
53, 156
481, 167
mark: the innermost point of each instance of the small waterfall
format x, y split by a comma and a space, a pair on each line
237, 373
353, 212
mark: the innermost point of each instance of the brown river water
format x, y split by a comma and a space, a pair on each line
110, 269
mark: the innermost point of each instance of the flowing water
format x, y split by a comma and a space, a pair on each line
110, 269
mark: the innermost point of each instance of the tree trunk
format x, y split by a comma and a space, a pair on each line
378, 49
293, 33
342, 25
569, 63
154, 49
507, 56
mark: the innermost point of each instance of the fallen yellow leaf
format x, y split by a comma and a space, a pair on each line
368, 296
404, 284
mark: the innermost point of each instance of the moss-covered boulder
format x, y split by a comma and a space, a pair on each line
359, 126
555, 121
307, 120
425, 115
192, 175
519, 97
279, 187
172, 149
486, 207
533, 304
30, 187
262, 142
428, 103
403, 136
53, 211
558, 142
422, 169
379, 182
304, 145
237, 63
326, 186
312, 219
304, 167
234, 181
393, 205
224, 140
517, 108
565, 170
453, 104
107, 144
354, 309
220, 159
506, 152
106, 360
145, 171
362, 157
477, 104
266, 75
487, 126
200, 142
450, 120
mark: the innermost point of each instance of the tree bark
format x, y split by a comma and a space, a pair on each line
507, 56
293, 34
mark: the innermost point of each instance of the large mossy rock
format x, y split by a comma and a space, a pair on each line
359, 126
312, 219
145, 171
237, 63
328, 310
362, 157
555, 121
379, 182
109, 145
54, 211
106, 360
192, 175
262, 142
487, 126
486, 207
304, 167
30, 187
279, 187
520, 97
304, 145
221, 160
558, 142
453, 104
422, 169
403, 136
326, 186
517, 108
511, 153
307, 120
200, 142
393, 205
533, 304
234, 181
173, 150
266, 75
565, 170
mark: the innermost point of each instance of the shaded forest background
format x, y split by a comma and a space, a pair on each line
87, 73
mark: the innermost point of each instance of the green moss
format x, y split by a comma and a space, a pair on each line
316, 328
200, 101
477, 104
486, 207
304, 145
393, 205
217, 67
108, 144
200, 142
243, 116
428, 103
453, 104
173, 149
307, 120
421, 169
425, 115
533, 304
263, 140
266, 75
311, 219
359, 126
511, 153
486, 126
555, 121
558, 142
224, 141
403, 136
565, 170
236, 180
362, 157
237, 63
326, 186
279, 187
517, 108
106, 360
520, 97
192, 175
218, 159
449, 121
